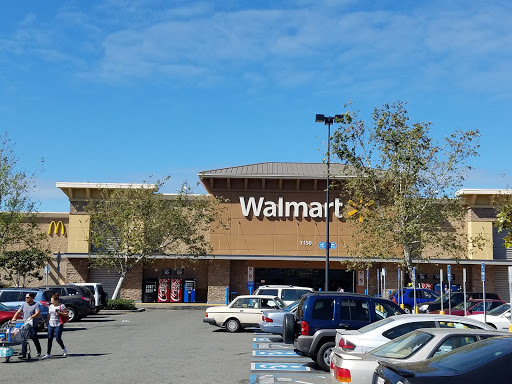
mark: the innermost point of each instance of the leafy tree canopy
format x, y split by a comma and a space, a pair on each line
504, 219
129, 225
403, 184
23, 249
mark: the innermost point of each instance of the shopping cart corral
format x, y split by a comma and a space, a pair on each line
12, 334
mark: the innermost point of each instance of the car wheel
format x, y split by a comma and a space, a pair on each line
233, 325
72, 313
407, 309
288, 328
323, 357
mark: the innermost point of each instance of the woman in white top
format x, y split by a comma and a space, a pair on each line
55, 326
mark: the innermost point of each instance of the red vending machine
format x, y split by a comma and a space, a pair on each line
163, 290
176, 290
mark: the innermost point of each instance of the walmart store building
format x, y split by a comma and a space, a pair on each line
276, 215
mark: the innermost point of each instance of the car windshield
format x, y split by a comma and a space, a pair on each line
280, 303
4, 308
291, 307
499, 310
377, 324
473, 355
404, 346
461, 305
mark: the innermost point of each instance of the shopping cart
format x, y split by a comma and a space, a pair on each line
14, 333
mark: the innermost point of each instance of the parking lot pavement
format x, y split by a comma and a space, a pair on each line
154, 346
275, 362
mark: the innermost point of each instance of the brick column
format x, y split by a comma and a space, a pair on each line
218, 280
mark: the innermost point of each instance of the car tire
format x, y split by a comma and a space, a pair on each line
288, 328
323, 356
72, 313
233, 325
407, 309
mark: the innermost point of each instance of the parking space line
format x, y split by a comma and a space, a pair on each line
279, 367
274, 353
272, 346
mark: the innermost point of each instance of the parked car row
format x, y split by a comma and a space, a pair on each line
353, 335
79, 300
486, 360
248, 310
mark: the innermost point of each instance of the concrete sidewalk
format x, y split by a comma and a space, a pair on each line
172, 306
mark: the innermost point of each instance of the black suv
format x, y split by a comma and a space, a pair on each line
312, 329
79, 301
455, 298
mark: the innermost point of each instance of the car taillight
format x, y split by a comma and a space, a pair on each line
267, 319
346, 345
206, 315
45, 303
342, 374
86, 298
304, 328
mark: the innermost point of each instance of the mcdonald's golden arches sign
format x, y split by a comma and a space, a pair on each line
55, 226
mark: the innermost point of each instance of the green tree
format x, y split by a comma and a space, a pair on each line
129, 225
504, 218
23, 249
402, 186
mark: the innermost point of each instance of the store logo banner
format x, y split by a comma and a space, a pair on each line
288, 208
56, 227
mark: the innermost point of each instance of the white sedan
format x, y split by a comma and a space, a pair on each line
499, 317
419, 345
375, 334
243, 311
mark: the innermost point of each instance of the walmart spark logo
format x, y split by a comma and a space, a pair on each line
360, 208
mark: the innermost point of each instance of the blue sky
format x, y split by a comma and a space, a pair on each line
118, 90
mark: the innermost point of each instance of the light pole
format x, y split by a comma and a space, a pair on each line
327, 121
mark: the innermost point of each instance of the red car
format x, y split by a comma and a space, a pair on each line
473, 307
6, 314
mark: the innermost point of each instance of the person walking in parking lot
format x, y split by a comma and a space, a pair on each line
55, 325
31, 312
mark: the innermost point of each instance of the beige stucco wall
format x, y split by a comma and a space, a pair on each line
480, 229
277, 236
79, 229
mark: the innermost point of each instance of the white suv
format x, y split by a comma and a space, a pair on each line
287, 293
100, 296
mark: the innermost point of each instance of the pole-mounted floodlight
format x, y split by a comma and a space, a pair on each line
327, 121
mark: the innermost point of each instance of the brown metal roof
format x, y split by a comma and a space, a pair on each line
280, 170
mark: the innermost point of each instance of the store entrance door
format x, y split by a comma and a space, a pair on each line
314, 278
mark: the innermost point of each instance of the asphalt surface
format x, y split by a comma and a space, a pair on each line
166, 346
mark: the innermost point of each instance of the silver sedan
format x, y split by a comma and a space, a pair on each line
272, 320
358, 368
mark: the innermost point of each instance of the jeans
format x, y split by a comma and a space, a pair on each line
57, 333
32, 334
